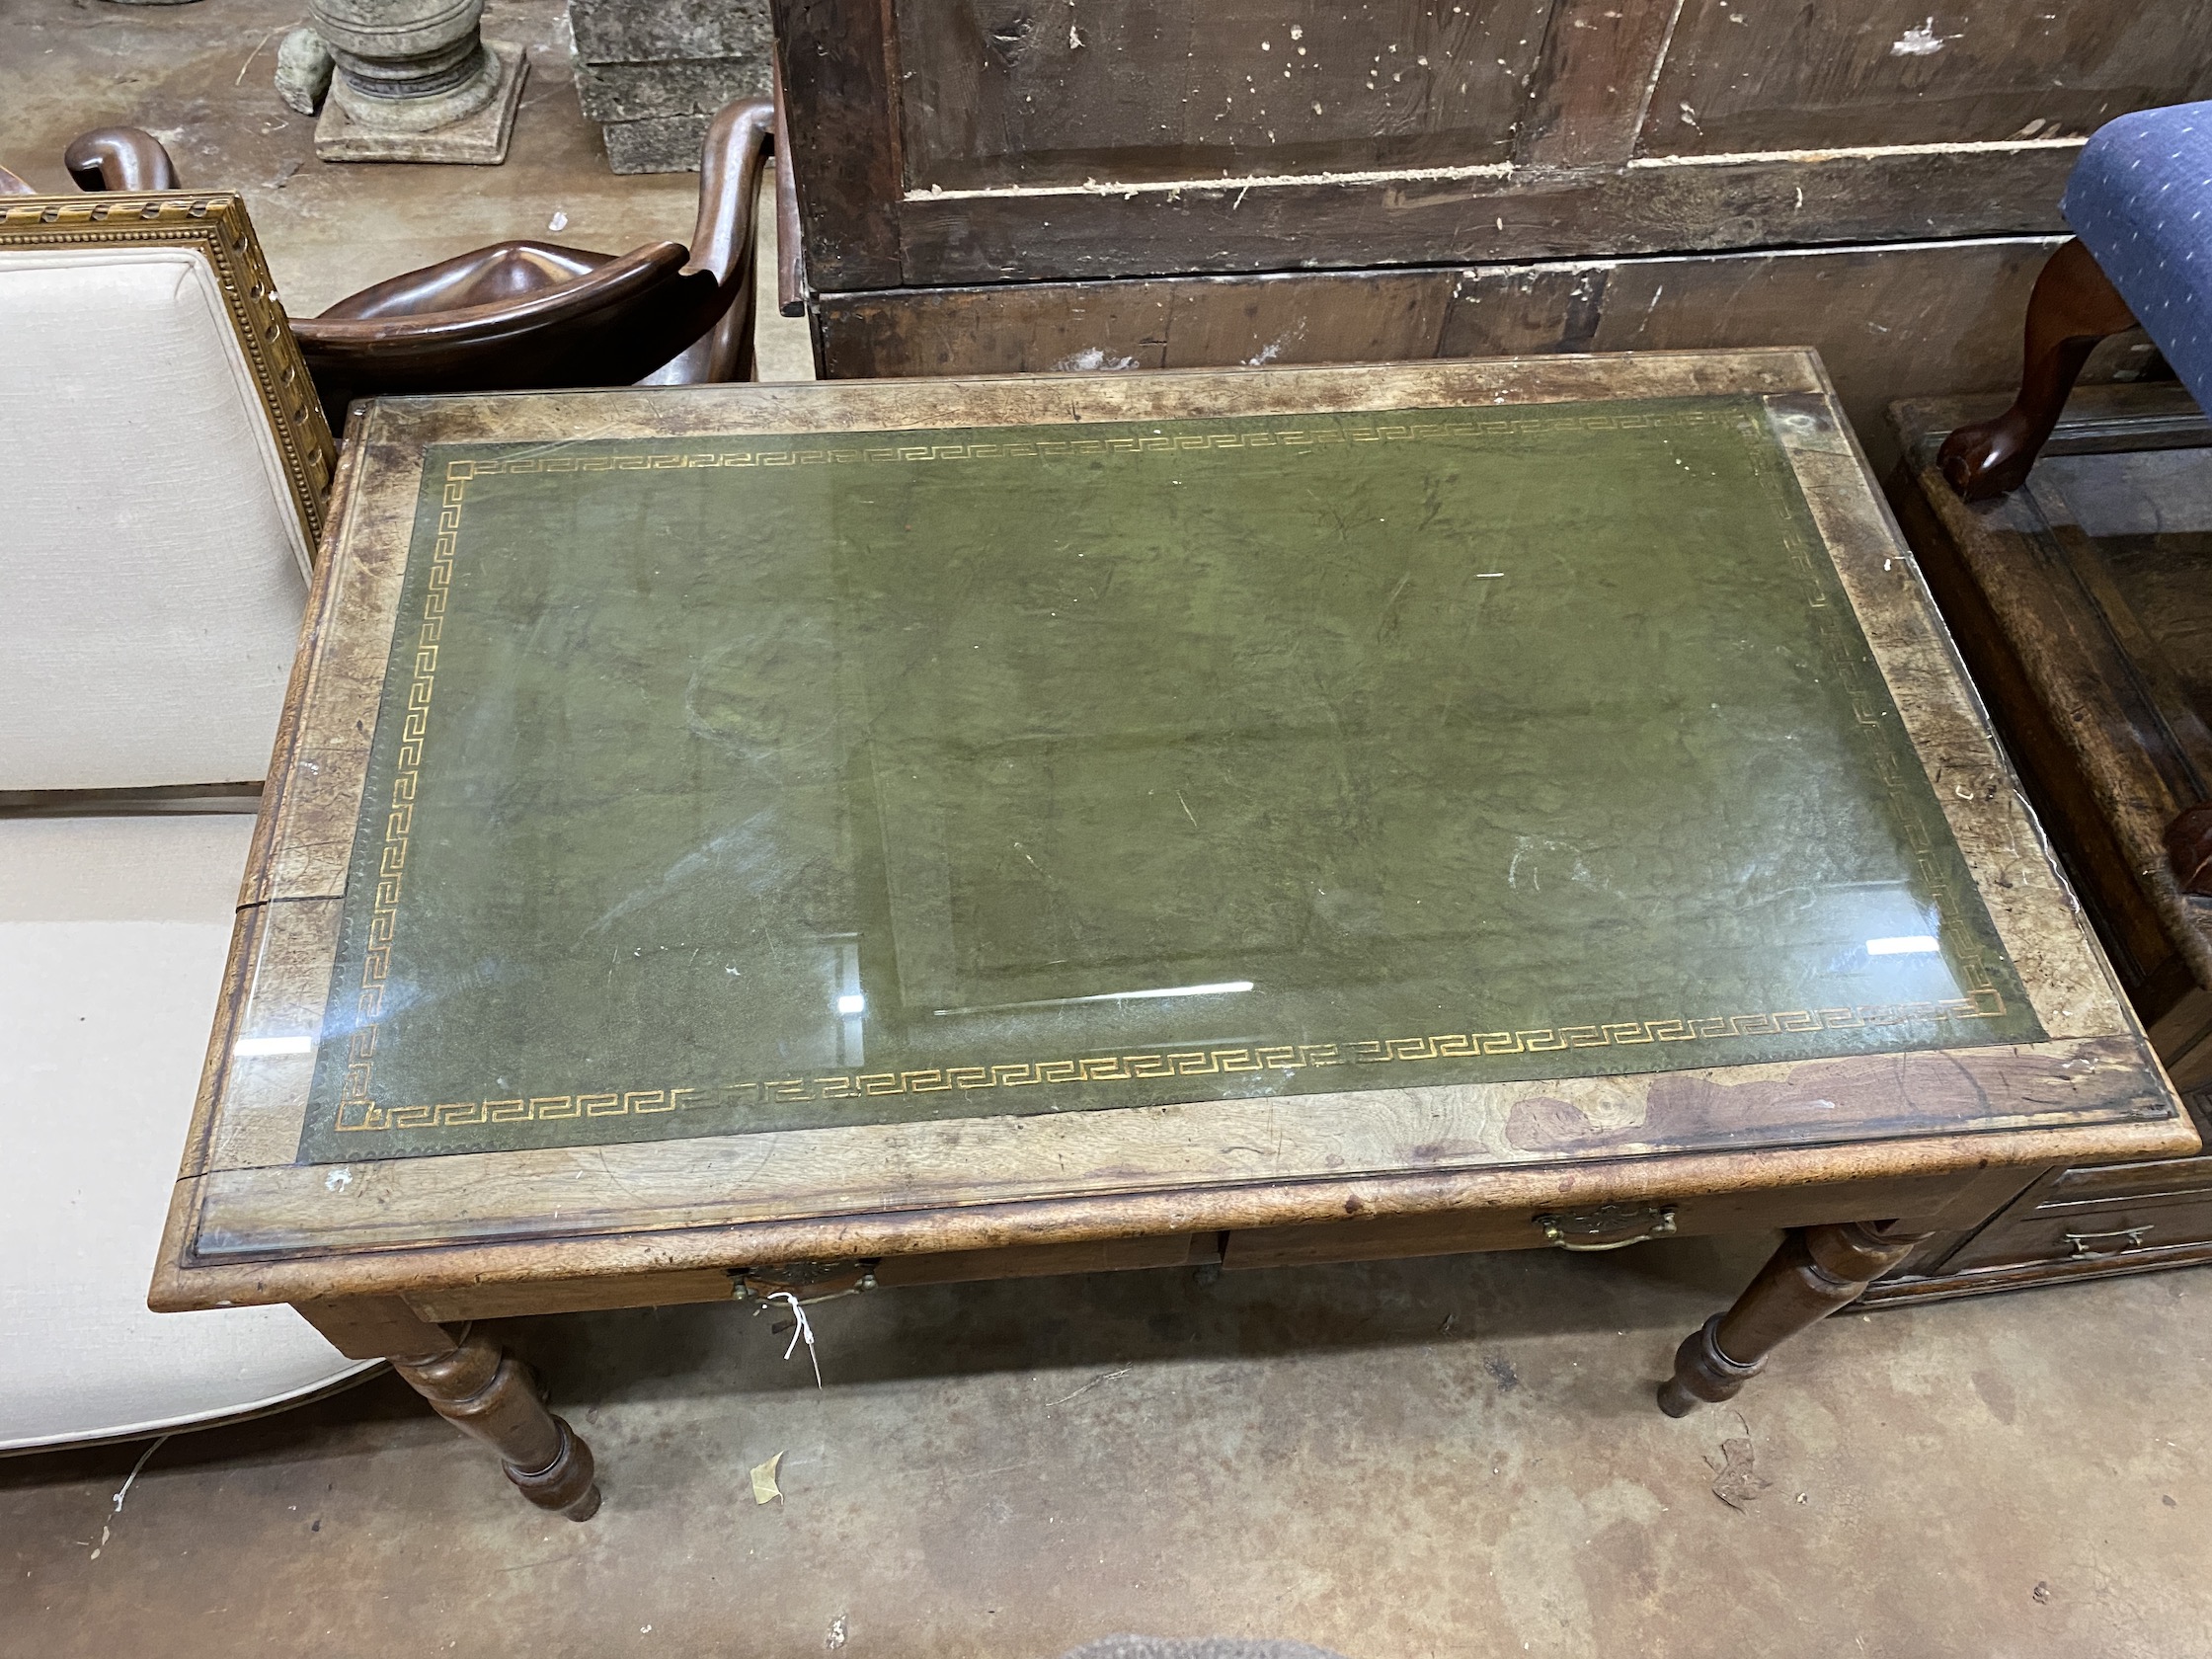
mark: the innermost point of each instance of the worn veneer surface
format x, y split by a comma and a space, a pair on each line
925, 815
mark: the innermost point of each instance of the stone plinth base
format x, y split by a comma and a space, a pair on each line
479, 139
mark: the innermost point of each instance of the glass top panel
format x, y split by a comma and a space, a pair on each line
884, 776
2149, 514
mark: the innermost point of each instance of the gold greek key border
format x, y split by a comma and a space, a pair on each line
1163, 1062
399, 813
218, 226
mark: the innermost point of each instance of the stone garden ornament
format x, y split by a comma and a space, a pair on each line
406, 80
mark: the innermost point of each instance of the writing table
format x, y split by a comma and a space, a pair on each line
793, 837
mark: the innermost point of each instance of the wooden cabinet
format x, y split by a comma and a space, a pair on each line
1002, 140
999, 186
2089, 1222
2081, 607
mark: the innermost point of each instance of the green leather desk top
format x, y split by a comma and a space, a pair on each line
769, 824
767, 782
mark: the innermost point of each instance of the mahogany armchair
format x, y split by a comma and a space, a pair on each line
528, 315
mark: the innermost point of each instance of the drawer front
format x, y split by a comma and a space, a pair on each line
1452, 1233
1031, 1261
2159, 1179
715, 1283
2053, 1232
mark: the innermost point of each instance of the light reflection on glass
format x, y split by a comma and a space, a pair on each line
1227, 987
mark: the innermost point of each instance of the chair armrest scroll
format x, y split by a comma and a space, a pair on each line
730, 163
119, 158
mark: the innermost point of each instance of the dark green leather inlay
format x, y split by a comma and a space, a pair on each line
788, 782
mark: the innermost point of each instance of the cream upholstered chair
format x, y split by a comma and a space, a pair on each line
163, 463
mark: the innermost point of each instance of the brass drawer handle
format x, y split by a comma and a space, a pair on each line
2080, 1240
1588, 1231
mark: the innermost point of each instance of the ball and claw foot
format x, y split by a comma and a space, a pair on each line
1991, 457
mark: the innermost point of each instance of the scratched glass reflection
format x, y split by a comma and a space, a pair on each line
869, 777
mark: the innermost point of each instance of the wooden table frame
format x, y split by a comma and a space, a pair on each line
395, 1258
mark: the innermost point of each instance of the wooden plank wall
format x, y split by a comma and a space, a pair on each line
967, 142
1889, 322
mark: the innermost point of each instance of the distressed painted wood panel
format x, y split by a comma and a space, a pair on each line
978, 141
1007, 92
1745, 75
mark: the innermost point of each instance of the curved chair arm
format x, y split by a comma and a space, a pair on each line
524, 315
734, 150
722, 243
119, 158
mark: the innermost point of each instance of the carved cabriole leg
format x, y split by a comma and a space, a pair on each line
1816, 1271
2073, 307
476, 1385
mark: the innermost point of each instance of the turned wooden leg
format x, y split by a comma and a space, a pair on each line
2073, 307
1816, 1271
485, 1392
476, 1385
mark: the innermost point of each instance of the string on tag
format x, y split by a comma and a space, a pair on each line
804, 1332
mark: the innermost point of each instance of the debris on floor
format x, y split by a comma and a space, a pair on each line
764, 1487
1735, 1481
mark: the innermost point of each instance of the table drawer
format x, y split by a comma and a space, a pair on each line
2159, 1179
2055, 1232
1450, 1233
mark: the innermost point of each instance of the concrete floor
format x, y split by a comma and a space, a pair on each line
1450, 1457
1454, 1457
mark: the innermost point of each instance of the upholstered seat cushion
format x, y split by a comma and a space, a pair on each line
113, 935
2141, 202
155, 563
